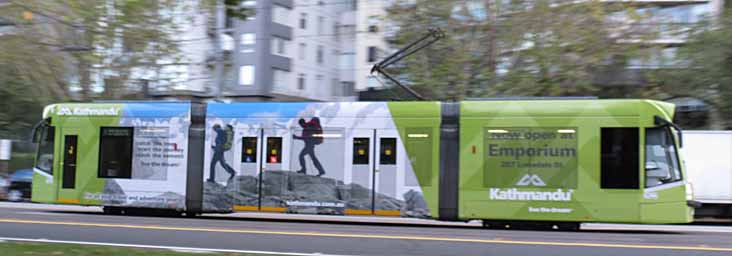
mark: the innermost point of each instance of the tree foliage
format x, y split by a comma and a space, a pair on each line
96, 43
706, 72
22, 103
516, 48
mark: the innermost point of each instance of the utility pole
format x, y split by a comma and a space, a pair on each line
219, 68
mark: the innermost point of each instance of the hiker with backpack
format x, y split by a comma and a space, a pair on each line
224, 139
311, 135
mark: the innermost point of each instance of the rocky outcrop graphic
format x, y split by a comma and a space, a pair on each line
216, 198
113, 195
299, 193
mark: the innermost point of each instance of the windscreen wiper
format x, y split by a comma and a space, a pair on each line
431, 37
663, 122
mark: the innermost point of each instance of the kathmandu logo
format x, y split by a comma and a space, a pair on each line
513, 194
531, 179
65, 111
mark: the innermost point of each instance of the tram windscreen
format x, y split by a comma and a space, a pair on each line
662, 162
44, 157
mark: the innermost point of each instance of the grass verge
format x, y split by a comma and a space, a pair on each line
55, 249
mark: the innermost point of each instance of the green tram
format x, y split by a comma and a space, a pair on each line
506, 162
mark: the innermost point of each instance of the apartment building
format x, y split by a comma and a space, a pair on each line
294, 50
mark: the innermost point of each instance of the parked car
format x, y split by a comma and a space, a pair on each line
4, 184
20, 185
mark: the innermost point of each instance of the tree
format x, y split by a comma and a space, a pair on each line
706, 72
519, 47
102, 47
22, 104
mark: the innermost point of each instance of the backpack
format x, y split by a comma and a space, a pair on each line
229, 137
316, 129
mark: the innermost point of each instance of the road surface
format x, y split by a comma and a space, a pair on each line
352, 235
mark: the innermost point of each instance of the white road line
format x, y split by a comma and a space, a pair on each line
722, 228
662, 228
172, 248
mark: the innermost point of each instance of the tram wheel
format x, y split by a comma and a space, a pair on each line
112, 210
569, 226
497, 224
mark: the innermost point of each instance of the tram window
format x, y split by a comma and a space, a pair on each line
44, 157
115, 152
249, 150
361, 150
388, 151
419, 147
662, 163
619, 158
274, 150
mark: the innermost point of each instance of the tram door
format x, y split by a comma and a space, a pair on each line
260, 151
69, 163
250, 163
387, 175
273, 186
361, 188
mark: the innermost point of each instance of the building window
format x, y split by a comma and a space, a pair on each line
373, 23
347, 88
345, 60
336, 31
301, 81
303, 20
280, 79
115, 152
319, 54
301, 51
619, 158
248, 41
319, 80
281, 15
279, 46
246, 75
372, 54
321, 25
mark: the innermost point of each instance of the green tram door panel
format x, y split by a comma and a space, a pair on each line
69, 165
68, 179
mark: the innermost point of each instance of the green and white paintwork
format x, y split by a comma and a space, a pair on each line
588, 203
575, 185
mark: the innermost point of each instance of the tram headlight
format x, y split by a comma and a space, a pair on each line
689, 191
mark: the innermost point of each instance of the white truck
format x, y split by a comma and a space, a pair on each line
708, 159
